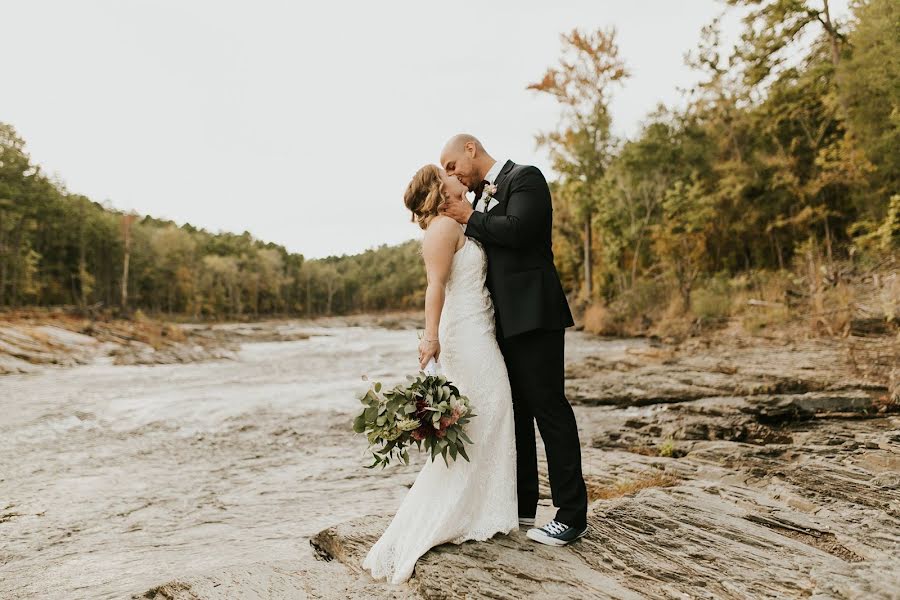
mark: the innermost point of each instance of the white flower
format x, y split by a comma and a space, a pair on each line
489, 191
407, 424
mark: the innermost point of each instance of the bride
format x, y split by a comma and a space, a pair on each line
467, 500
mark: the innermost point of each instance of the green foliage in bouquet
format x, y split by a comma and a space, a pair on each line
429, 411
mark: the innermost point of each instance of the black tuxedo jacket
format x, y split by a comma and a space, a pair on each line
521, 276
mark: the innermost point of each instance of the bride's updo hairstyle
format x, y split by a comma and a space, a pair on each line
424, 195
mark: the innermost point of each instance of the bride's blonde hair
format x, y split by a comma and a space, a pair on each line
424, 194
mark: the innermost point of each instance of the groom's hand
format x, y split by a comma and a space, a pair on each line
457, 209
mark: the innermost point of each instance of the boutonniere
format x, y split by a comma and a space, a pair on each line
489, 191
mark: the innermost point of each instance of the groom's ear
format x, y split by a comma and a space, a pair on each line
471, 149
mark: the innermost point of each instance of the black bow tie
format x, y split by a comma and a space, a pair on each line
480, 189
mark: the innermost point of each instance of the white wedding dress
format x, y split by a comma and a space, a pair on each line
469, 500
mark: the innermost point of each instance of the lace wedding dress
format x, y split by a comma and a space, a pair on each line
469, 500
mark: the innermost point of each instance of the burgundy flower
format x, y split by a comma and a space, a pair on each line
421, 433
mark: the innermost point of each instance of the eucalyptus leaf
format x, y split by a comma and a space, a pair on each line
462, 452
359, 424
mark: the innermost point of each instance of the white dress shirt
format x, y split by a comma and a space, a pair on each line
491, 178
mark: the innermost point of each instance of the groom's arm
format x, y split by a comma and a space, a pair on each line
527, 213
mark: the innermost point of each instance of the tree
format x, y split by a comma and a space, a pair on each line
127, 222
582, 147
680, 238
636, 184
774, 28
19, 182
869, 86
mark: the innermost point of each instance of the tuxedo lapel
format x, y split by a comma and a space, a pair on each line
507, 167
503, 173
500, 182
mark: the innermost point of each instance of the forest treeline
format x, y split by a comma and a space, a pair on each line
59, 248
787, 149
784, 161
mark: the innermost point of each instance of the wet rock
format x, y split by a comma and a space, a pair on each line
775, 408
508, 566
694, 540
690, 374
302, 579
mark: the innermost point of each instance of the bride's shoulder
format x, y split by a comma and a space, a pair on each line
442, 237
443, 226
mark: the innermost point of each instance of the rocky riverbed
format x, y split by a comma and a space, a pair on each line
725, 467
731, 469
31, 340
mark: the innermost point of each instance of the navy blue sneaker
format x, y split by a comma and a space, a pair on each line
555, 533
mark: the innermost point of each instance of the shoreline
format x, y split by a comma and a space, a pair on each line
33, 339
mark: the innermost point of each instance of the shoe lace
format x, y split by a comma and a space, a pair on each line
555, 527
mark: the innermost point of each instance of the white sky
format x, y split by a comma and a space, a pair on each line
303, 122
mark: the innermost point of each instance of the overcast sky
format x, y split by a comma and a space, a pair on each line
303, 122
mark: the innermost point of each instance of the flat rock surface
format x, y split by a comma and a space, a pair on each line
718, 468
29, 343
740, 470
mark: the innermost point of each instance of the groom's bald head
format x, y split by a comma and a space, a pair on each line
465, 158
459, 141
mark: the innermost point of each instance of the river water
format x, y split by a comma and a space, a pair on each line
117, 478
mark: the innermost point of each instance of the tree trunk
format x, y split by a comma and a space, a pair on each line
588, 266
780, 253
832, 35
331, 291
126, 233
16, 254
124, 292
255, 295
4, 261
635, 260
82, 262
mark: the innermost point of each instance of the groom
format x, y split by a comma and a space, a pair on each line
512, 217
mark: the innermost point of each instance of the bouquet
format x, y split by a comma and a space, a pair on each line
429, 411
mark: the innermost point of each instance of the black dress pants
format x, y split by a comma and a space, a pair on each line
534, 361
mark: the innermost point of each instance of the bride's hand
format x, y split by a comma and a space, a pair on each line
427, 350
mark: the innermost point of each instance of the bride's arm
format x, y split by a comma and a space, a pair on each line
438, 249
